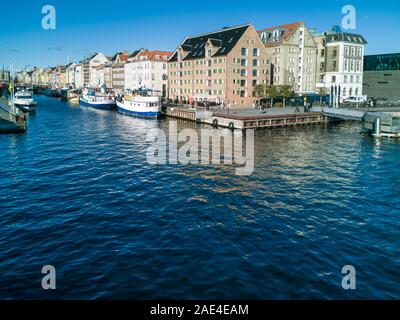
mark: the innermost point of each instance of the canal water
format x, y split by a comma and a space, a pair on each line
77, 193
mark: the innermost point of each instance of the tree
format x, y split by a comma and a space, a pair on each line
272, 93
286, 92
321, 92
259, 90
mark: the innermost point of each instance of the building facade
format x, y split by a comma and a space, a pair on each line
382, 76
70, 74
98, 76
224, 66
4, 76
118, 71
79, 76
341, 58
292, 51
148, 69
88, 66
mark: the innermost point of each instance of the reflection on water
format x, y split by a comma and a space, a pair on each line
78, 193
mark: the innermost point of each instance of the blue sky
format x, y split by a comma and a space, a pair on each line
87, 26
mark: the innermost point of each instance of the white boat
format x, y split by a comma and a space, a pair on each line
141, 103
24, 101
100, 101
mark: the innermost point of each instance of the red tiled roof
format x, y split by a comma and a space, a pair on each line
288, 29
155, 55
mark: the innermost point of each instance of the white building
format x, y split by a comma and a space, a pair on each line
340, 59
89, 66
79, 77
148, 69
71, 73
98, 76
292, 51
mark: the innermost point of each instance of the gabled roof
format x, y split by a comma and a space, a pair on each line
224, 40
87, 60
135, 53
120, 56
286, 31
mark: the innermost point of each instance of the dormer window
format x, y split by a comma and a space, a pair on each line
276, 34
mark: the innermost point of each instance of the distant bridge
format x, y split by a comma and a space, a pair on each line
341, 113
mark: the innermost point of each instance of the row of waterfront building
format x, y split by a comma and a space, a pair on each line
232, 65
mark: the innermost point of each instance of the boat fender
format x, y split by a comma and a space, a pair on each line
231, 126
215, 123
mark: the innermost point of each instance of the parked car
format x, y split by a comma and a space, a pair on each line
356, 99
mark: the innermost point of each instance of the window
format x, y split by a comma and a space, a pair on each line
255, 73
334, 65
255, 63
345, 79
256, 52
243, 63
244, 52
333, 79
334, 53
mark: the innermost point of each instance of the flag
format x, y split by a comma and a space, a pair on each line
10, 88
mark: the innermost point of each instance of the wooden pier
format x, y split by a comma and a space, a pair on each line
243, 121
11, 122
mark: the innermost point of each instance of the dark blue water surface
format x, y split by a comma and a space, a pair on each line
77, 193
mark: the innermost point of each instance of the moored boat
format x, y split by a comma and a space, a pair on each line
141, 103
54, 93
24, 101
71, 95
95, 100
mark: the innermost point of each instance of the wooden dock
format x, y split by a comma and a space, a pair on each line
11, 122
245, 122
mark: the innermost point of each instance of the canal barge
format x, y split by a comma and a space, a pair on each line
100, 101
141, 103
